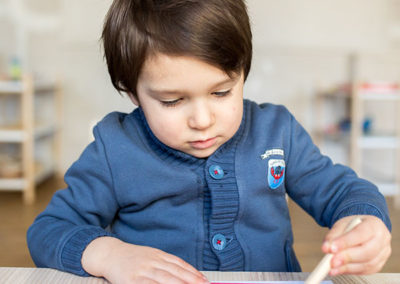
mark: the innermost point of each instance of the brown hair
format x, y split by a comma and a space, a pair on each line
214, 31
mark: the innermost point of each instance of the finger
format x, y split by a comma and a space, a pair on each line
369, 267
170, 258
184, 274
166, 277
337, 229
183, 264
162, 276
362, 253
145, 280
359, 235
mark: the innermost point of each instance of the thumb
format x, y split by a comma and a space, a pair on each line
335, 232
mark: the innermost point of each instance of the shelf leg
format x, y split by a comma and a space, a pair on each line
29, 194
397, 201
28, 144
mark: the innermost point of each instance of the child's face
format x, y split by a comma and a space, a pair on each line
190, 106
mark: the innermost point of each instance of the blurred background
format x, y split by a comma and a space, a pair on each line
335, 64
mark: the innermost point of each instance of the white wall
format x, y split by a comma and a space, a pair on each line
298, 45
339, 24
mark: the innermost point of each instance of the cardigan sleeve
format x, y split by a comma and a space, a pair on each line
325, 190
77, 214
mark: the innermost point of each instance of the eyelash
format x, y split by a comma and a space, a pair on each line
170, 103
222, 94
175, 102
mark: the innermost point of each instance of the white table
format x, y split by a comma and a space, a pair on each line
12, 275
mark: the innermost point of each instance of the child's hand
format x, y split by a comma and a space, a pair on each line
363, 250
120, 262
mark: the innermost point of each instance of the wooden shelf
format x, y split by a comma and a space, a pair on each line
378, 142
388, 189
17, 87
380, 97
11, 135
31, 134
17, 135
376, 92
382, 91
45, 130
357, 103
13, 184
45, 86
11, 87
19, 184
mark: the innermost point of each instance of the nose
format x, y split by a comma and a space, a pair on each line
201, 117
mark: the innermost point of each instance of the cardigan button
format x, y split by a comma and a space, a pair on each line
219, 242
216, 172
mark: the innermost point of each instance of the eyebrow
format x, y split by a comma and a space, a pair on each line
172, 91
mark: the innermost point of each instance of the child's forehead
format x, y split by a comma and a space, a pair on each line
166, 67
183, 74
156, 60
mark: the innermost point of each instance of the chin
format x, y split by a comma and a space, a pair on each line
203, 154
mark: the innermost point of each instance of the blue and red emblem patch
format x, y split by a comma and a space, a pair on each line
276, 173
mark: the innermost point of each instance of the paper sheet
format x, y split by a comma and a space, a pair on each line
268, 282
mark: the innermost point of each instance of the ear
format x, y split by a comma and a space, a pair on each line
134, 99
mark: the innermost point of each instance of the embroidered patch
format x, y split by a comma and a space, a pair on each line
276, 173
272, 152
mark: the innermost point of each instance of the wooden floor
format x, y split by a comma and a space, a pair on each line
15, 219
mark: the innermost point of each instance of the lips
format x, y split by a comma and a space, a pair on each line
203, 144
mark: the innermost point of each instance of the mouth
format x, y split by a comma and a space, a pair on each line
203, 144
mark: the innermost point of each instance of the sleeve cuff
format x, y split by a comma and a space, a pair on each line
72, 251
363, 209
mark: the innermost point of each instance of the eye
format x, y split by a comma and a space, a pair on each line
170, 103
222, 94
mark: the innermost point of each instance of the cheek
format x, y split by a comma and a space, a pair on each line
235, 118
236, 113
166, 128
230, 119
238, 116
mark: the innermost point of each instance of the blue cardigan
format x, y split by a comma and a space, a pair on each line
230, 207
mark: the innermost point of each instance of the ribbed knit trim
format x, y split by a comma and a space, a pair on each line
224, 209
363, 209
210, 261
225, 203
71, 255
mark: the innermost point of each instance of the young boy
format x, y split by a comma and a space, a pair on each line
196, 177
